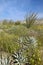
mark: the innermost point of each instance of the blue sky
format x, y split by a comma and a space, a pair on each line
17, 9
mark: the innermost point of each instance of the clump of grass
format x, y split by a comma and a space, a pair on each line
30, 20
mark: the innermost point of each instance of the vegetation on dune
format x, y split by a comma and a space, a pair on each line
21, 41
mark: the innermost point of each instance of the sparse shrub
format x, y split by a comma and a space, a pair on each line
4, 22
17, 23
